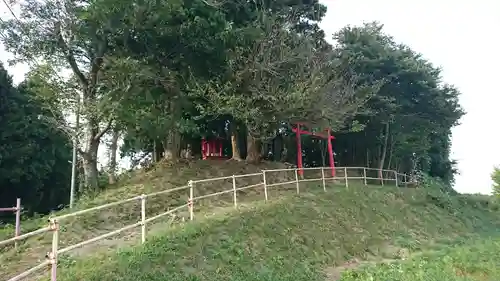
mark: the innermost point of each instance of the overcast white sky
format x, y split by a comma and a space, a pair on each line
461, 37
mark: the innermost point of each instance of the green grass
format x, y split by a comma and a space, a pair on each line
296, 237
479, 261
290, 237
163, 176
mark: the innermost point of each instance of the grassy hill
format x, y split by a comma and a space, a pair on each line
297, 238
161, 177
291, 237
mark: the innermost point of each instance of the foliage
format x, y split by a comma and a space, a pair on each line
161, 75
34, 160
412, 113
436, 183
495, 177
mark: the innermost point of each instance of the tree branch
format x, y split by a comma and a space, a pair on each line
104, 130
70, 57
83, 153
97, 61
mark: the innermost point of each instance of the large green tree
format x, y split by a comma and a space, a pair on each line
76, 36
412, 112
34, 154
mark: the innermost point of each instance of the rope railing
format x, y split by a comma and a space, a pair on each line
263, 181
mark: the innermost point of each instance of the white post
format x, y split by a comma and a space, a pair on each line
75, 155
18, 220
396, 177
264, 183
345, 176
297, 180
52, 256
234, 192
190, 200
381, 177
364, 175
143, 218
323, 178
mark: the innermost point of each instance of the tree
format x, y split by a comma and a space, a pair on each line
164, 74
170, 45
412, 112
34, 154
76, 35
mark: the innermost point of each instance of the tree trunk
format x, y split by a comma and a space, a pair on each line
264, 150
367, 153
253, 151
112, 157
236, 154
171, 146
367, 157
90, 166
323, 147
278, 148
90, 154
155, 157
391, 154
384, 151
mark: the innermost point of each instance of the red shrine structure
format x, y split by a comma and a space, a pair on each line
211, 148
298, 132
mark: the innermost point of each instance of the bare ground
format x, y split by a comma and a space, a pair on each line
334, 273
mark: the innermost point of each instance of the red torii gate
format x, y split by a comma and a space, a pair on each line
298, 132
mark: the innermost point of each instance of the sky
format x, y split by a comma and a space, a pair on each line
460, 37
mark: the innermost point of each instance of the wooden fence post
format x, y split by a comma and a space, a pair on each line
323, 178
190, 200
18, 220
52, 256
234, 192
143, 218
264, 182
345, 176
364, 175
297, 180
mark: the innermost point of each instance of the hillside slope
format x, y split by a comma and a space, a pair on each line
161, 177
296, 237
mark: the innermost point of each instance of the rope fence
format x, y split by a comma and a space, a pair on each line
265, 182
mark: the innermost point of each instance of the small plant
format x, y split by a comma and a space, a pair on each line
495, 176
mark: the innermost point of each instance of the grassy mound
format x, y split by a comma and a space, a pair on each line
295, 237
161, 177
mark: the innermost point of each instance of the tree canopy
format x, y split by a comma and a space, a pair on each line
162, 75
34, 153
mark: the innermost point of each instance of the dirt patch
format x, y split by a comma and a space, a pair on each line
334, 273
